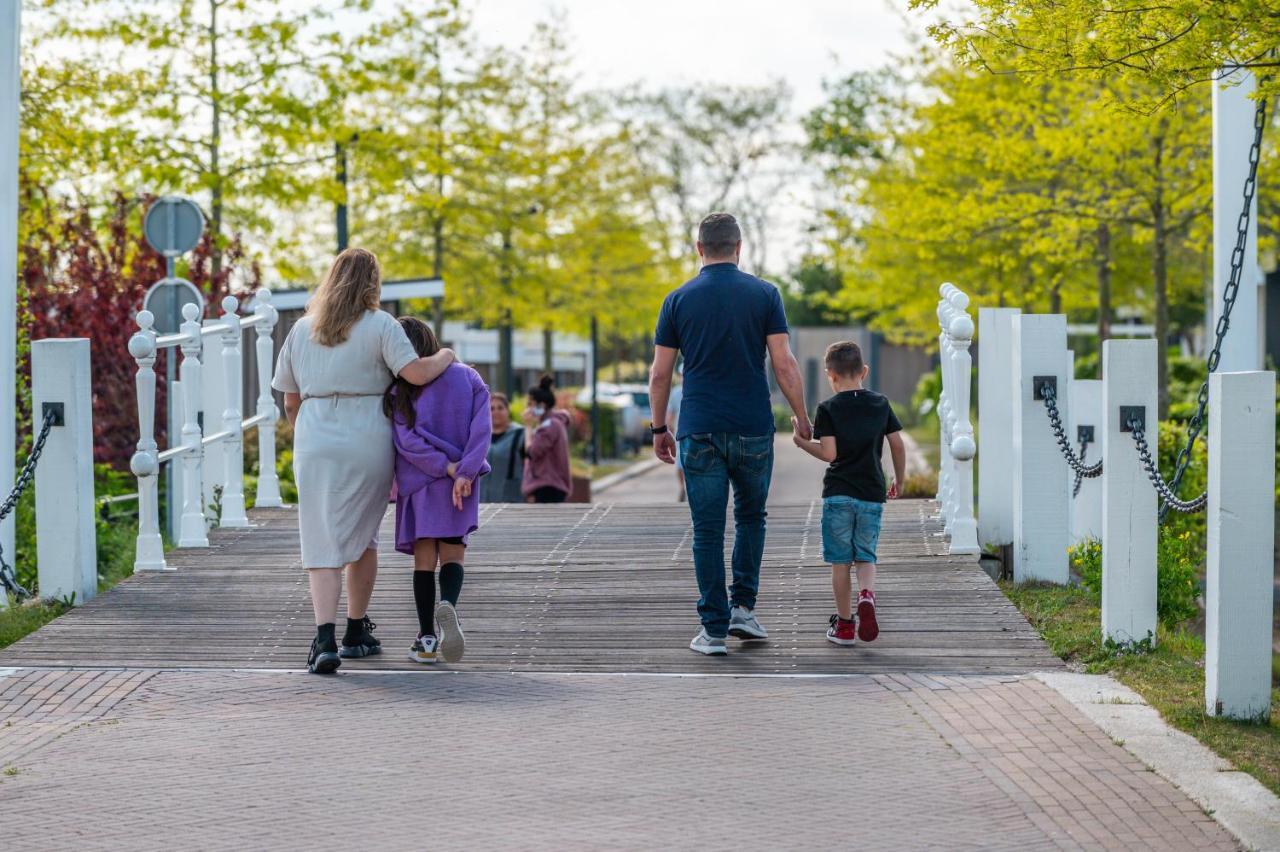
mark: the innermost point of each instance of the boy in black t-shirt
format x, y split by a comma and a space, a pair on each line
849, 434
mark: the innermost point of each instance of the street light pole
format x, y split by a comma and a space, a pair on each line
10, 16
340, 154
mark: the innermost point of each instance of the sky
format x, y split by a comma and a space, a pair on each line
745, 42
739, 42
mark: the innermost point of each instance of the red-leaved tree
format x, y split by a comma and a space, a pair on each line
85, 276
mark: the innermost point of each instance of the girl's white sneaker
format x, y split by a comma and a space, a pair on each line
453, 644
423, 650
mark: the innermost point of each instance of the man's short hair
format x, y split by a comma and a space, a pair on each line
845, 359
719, 234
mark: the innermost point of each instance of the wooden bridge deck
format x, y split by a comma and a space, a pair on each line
586, 588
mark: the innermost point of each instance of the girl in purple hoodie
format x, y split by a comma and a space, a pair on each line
441, 434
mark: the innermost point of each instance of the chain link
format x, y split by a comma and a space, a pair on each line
1229, 293
1075, 489
1167, 495
1050, 398
8, 576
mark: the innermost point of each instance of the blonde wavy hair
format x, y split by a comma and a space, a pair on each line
352, 287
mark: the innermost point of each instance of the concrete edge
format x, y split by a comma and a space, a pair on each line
1236, 800
629, 472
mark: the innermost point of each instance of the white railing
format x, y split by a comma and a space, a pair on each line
958, 447
211, 456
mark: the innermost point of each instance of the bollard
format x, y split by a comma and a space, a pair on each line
995, 401
192, 531
1040, 509
145, 463
1241, 519
66, 540
1085, 427
268, 482
1129, 501
212, 402
233, 514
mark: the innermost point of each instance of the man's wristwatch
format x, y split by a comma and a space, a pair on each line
658, 430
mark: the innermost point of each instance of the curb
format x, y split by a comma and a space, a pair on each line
630, 472
1236, 800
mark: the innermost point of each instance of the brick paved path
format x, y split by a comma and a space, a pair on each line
169, 714
223, 760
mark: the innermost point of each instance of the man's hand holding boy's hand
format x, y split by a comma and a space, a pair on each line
802, 428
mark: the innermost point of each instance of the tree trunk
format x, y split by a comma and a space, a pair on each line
1055, 298
215, 145
1160, 280
437, 271
1103, 236
548, 341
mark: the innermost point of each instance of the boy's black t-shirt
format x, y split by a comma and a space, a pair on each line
858, 420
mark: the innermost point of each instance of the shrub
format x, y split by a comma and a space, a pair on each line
919, 485
1178, 561
925, 399
782, 418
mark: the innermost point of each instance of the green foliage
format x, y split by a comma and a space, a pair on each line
924, 400
1179, 561
782, 419
923, 485
1086, 561
610, 430
810, 294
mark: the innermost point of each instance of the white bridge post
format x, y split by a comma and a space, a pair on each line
960, 446
192, 531
268, 482
995, 402
1241, 519
145, 463
1129, 502
66, 534
233, 514
1041, 514
1086, 421
212, 405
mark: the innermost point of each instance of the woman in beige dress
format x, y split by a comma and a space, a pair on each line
333, 369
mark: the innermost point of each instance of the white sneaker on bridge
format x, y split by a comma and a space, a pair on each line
709, 645
743, 624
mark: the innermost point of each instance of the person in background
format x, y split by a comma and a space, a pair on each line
441, 437
506, 455
546, 471
333, 369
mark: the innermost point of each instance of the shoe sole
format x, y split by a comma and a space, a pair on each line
425, 660
868, 629
350, 651
746, 633
709, 652
843, 643
453, 644
325, 663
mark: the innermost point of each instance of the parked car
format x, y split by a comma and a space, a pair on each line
632, 401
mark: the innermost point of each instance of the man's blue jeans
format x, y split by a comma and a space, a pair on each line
711, 462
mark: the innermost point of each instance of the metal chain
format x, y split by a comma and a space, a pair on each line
1229, 293
1050, 399
1167, 495
8, 576
1075, 489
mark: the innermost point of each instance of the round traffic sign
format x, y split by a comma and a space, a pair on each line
165, 301
173, 225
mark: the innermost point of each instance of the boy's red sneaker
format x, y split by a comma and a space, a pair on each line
841, 632
868, 630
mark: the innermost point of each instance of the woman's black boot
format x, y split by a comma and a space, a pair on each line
324, 658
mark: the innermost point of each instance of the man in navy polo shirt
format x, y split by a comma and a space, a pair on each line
723, 322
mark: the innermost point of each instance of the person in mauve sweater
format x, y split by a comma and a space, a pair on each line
546, 467
441, 434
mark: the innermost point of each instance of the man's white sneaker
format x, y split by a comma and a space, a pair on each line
709, 645
743, 624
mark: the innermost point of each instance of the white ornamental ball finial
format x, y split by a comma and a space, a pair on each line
190, 311
230, 304
961, 327
959, 299
145, 320
143, 464
963, 447
141, 346
264, 296
945, 289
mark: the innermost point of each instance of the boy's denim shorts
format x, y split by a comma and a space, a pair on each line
850, 529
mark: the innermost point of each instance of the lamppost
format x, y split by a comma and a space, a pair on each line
340, 156
506, 347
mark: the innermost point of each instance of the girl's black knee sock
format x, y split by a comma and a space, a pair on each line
451, 581
424, 596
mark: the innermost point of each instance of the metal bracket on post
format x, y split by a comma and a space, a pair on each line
1084, 435
1039, 383
56, 409
1133, 413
